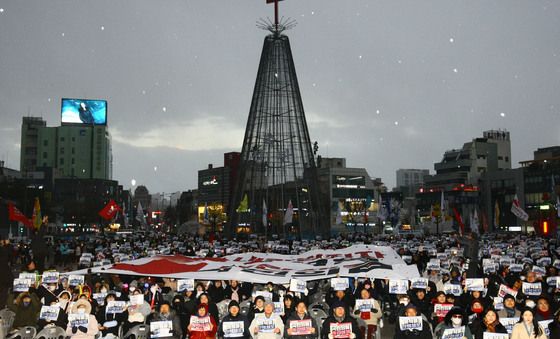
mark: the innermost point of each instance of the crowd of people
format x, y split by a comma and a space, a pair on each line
509, 285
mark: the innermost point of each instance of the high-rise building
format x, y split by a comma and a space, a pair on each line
411, 177
75, 151
30, 127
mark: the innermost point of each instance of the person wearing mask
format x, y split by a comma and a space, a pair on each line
165, 313
425, 333
267, 325
109, 322
178, 304
455, 318
82, 331
26, 307
510, 310
300, 314
61, 321
489, 322
234, 324
476, 310
64, 299
370, 315
528, 327
206, 331
339, 316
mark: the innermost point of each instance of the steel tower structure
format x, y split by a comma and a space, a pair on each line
277, 171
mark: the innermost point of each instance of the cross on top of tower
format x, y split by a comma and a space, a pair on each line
275, 9
279, 25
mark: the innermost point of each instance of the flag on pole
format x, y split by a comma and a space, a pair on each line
244, 204
265, 214
289, 213
474, 222
110, 210
37, 219
517, 210
15, 215
496, 214
459, 220
140, 214
206, 218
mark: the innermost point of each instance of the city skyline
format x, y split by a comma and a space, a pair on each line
386, 85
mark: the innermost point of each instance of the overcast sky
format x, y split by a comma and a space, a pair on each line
386, 84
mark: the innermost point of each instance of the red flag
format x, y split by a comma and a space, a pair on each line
110, 210
15, 215
459, 220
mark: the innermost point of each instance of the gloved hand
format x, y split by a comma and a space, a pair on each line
82, 329
356, 312
74, 329
374, 310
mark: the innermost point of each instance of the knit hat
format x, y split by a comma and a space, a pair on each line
233, 303
337, 304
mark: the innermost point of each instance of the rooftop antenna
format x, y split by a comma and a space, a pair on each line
277, 26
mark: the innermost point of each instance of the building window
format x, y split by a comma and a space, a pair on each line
45, 155
73, 160
61, 161
45, 142
61, 139
507, 159
73, 150
73, 139
62, 150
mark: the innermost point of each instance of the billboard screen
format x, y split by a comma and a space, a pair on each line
82, 111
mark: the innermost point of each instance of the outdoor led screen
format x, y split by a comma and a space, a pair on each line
82, 111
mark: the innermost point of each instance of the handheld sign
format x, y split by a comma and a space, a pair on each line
76, 319
233, 329
454, 289
100, 298
137, 299
364, 305
30, 276
114, 307
421, 283
490, 335
185, 285
506, 290
498, 303
508, 323
441, 310
474, 284
265, 294
454, 333
434, 265
533, 289
341, 330
200, 324
75, 280
516, 268
339, 284
22, 285
265, 325
410, 323
49, 313
398, 286
50, 277
160, 329
301, 327
297, 285
544, 324
278, 308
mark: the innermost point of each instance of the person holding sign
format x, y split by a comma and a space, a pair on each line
344, 296
52, 316
268, 325
84, 325
528, 327
368, 309
339, 324
110, 317
234, 324
490, 322
300, 325
454, 319
165, 313
26, 307
412, 326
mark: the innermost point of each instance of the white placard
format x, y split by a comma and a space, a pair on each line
398, 286
297, 285
544, 324
50, 277
474, 284
200, 324
340, 330
339, 284
498, 303
490, 335
301, 327
27, 275
76, 319
454, 289
364, 305
75, 280
160, 329
233, 329
410, 323
434, 264
533, 289
516, 268
454, 333
441, 310
49, 313
539, 270
115, 306
552, 281
265, 294
185, 285
137, 299
22, 285
278, 308
421, 283
508, 323
504, 290
265, 325
100, 298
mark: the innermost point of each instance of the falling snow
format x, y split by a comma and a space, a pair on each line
62, 34
378, 111
1, 10
164, 109
399, 61
359, 57
49, 99
502, 114
102, 28
455, 70
155, 168
133, 182
451, 40
396, 123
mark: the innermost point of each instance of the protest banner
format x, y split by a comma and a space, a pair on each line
49, 313
532, 289
301, 327
340, 330
185, 285
441, 310
265, 325
200, 324
76, 319
115, 306
75, 280
233, 329
410, 323
421, 283
22, 285
50, 277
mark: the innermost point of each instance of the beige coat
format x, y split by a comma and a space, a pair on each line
519, 332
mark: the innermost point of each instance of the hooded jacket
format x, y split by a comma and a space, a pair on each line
447, 323
25, 315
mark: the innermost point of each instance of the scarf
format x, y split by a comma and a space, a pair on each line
491, 327
544, 314
234, 294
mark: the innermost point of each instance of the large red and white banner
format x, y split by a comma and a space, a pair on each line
374, 262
